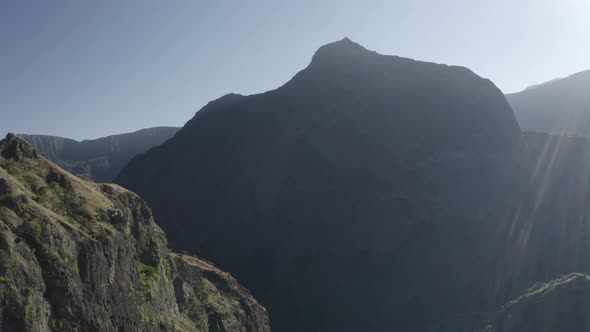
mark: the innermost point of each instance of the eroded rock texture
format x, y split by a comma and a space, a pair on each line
81, 256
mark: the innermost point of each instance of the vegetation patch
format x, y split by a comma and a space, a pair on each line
149, 277
48, 256
7, 264
57, 325
196, 311
69, 204
10, 166
29, 309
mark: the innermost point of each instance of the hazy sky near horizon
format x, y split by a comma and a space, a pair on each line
86, 69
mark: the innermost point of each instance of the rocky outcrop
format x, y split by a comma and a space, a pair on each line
14, 148
562, 304
81, 256
101, 159
366, 194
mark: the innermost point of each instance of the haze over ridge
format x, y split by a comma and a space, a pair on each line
148, 63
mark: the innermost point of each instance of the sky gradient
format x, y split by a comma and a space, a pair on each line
86, 69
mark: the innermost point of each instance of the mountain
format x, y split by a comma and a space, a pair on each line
81, 256
368, 193
560, 106
102, 158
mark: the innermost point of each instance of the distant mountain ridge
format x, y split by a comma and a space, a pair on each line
560, 106
544, 83
101, 158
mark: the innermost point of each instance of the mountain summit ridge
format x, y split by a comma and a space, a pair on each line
559, 107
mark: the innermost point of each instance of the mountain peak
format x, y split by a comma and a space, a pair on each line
345, 40
339, 50
346, 144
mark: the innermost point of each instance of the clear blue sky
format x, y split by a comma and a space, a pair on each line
85, 69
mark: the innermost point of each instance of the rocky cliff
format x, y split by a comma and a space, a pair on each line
368, 193
101, 159
81, 256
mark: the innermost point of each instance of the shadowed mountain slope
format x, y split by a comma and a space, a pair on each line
555, 235
367, 193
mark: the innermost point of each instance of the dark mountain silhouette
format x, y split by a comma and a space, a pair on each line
102, 158
81, 256
369, 193
560, 106
551, 238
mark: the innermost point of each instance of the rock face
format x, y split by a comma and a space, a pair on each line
369, 193
13, 148
560, 305
102, 159
80, 256
560, 106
